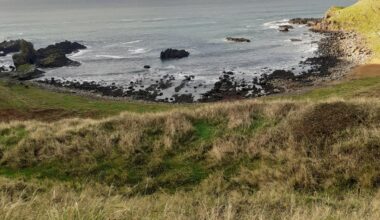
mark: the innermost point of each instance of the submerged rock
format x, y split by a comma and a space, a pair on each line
283, 29
173, 54
238, 40
295, 40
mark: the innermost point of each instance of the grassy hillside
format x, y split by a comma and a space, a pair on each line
302, 156
312, 155
260, 159
364, 17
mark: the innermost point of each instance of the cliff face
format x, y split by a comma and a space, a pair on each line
362, 17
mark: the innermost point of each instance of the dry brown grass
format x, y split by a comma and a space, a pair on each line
255, 159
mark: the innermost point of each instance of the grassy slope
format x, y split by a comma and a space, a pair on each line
25, 100
304, 156
198, 162
364, 17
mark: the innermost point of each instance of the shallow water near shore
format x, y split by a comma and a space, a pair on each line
122, 38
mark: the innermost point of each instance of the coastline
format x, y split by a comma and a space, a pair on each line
338, 54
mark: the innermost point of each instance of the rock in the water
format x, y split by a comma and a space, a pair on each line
27, 72
238, 40
55, 55
65, 47
7, 47
27, 54
283, 29
295, 40
305, 21
286, 26
56, 60
174, 54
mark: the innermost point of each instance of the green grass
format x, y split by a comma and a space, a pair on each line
363, 17
366, 87
204, 130
12, 136
26, 98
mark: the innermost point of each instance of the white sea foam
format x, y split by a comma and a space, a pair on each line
154, 19
275, 24
109, 56
138, 51
80, 53
132, 42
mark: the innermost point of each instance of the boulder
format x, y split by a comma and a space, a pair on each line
238, 40
27, 54
27, 72
174, 54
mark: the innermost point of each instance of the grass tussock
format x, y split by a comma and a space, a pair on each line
252, 159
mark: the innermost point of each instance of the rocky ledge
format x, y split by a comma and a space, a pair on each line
27, 60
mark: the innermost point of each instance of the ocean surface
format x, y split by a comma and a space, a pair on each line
123, 36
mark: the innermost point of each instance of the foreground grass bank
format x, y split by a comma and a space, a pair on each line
270, 159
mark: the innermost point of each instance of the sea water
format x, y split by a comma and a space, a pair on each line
123, 36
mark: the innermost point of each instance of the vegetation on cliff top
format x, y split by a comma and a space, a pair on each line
363, 17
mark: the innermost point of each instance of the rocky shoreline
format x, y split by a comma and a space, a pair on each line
337, 53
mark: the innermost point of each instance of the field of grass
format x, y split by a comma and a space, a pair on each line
363, 17
260, 159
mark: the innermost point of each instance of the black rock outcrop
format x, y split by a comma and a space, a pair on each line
27, 54
173, 54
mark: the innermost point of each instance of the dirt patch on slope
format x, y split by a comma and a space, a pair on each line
368, 70
7, 115
324, 121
